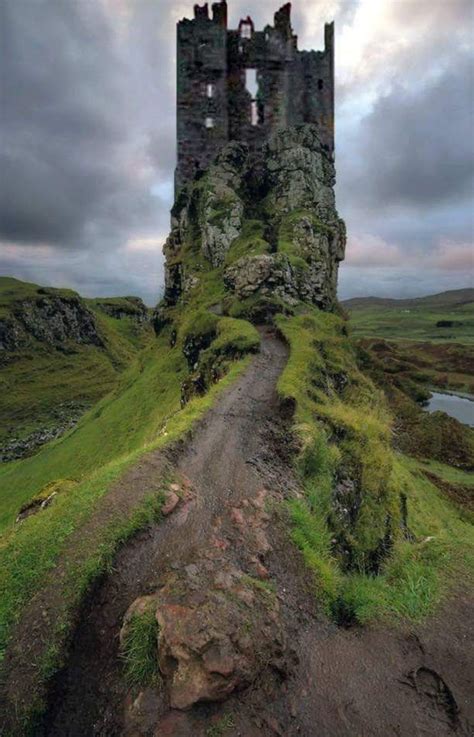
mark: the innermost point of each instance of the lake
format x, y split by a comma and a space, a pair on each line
461, 408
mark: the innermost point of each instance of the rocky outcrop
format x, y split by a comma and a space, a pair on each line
49, 319
221, 207
122, 308
289, 188
64, 417
205, 647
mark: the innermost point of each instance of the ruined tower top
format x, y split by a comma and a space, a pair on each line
243, 84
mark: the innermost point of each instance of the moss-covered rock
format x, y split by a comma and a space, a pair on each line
269, 220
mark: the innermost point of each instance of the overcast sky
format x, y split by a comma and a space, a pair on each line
88, 139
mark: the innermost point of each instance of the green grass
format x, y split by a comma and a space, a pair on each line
139, 650
127, 419
12, 290
447, 473
235, 337
415, 323
40, 382
250, 242
346, 427
198, 324
144, 413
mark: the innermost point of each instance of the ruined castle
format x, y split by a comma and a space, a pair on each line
242, 85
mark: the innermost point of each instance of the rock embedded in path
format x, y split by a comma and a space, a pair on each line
206, 649
170, 503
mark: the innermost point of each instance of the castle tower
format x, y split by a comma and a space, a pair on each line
243, 84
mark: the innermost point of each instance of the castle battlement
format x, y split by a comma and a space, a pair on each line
243, 84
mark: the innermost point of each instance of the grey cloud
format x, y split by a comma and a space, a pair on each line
88, 128
80, 105
416, 147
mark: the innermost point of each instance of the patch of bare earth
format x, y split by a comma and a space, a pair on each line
242, 649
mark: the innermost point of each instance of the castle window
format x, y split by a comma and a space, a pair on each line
246, 30
251, 84
252, 87
210, 90
209, 122
320, 84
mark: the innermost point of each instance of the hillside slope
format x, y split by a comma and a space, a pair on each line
59, 354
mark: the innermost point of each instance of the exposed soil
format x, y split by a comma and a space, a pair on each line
458, 493
313, 679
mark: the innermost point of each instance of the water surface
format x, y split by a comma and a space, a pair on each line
459, 407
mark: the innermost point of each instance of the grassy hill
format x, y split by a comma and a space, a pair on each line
59, 354
444, 317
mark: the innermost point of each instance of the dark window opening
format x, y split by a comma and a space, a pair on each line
320, 84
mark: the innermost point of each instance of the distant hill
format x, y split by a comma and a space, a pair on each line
450, 298
447, 317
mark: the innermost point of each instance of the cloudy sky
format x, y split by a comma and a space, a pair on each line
88, 139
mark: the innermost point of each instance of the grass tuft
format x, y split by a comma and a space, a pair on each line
140, 650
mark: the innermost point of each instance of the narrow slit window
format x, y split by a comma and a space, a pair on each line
320, 84
209, 123
251, 85
210, 90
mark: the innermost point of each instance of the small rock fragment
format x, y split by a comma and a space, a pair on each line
171, 502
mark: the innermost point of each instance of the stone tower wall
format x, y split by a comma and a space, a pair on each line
215, 102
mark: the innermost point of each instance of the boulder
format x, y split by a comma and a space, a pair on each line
204, 650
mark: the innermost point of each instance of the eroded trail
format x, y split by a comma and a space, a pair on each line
239, 612
234, 458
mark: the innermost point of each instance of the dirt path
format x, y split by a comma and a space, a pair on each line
224, 557
232, 455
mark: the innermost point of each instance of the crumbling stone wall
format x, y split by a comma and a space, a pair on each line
214, 102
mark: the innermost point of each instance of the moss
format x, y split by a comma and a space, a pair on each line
52, 488
257, 308
235, 337
198, 325
344, 430
286, 233
220, 728
250, 242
